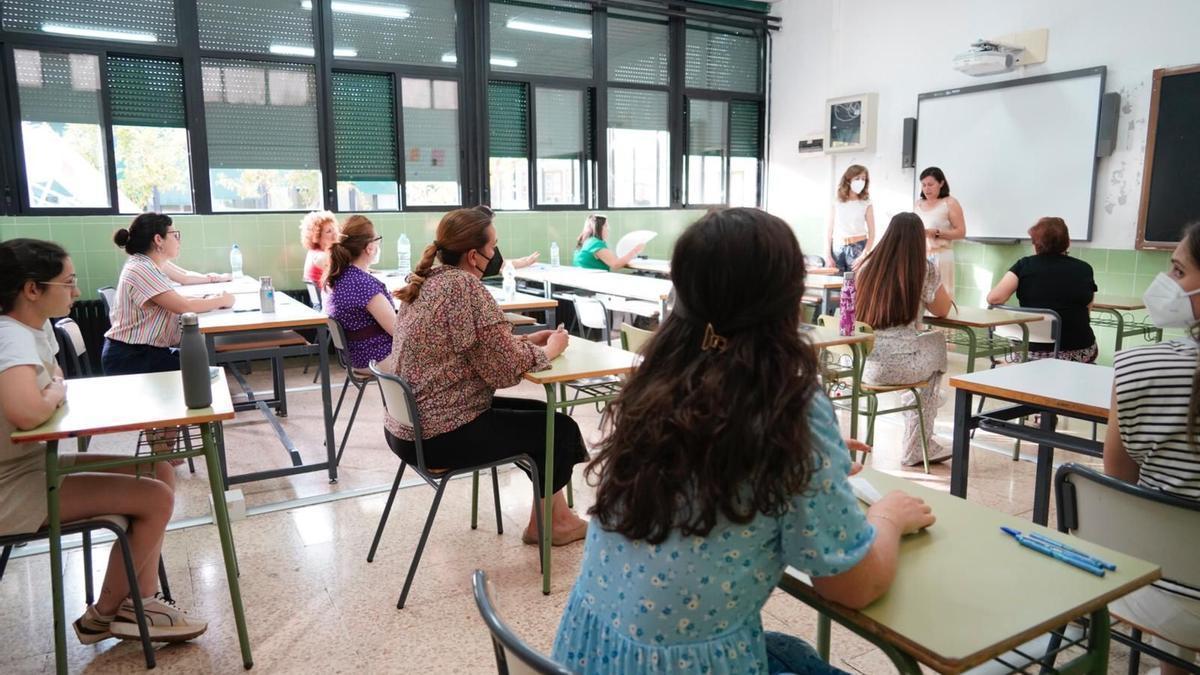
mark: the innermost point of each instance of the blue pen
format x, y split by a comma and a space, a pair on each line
1061, 556
1047, 541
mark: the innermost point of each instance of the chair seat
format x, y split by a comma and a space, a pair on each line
885, 388
121, 522
258, 340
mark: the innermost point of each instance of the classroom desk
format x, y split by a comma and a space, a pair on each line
1050, 387
245, 320
656, 266
630, 286
148, 401
242, 284
827, 284
1112, 311
966, 320
520, 302
581, 359
965, 593
823, 337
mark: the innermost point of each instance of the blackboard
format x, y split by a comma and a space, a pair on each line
1171, 182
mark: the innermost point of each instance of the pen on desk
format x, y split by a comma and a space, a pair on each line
239, 311
1059, 555
1047, 541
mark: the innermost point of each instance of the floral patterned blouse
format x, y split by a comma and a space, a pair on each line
692, 603
455, 349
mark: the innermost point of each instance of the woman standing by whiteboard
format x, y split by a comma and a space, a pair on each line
943, 218
852, 227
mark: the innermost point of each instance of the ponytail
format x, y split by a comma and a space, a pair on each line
408, 294
459, 231
357, 233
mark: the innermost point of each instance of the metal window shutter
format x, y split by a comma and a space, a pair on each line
144, 92
508, 119
260, 115
364, 127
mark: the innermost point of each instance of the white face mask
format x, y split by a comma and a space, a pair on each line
378, 251
857, 185
1168, 304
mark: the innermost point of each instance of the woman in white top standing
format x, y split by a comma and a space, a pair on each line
852, 228
943, 218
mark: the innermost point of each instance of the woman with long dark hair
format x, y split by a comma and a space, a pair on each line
942, 216
725, 464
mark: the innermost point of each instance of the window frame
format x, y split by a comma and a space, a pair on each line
728, 98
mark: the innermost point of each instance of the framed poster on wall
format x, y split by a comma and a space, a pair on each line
850, 123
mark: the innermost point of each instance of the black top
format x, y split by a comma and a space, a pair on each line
1061, 283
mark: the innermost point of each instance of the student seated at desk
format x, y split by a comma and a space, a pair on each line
145, 329
1051, 279
455, 348
1156, 407
724, 466
318, 231
591, 248
38, 283
895, 286
356, 300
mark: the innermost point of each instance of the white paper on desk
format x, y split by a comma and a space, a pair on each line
633, 239
863, 489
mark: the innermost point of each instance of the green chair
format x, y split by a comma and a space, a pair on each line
633, 339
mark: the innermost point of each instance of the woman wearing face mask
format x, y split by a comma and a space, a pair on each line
852, 228
1151, 439
944, 224
356, 300
455, 349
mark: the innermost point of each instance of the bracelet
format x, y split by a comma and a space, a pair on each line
889, 519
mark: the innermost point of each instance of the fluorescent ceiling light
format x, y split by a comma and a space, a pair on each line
345, 53
364, 9
451, 57
534, 27
289, 50
98, 33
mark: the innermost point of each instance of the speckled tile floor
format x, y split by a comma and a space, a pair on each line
313, 603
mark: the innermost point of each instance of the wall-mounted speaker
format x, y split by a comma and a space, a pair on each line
1106, 134
908, 153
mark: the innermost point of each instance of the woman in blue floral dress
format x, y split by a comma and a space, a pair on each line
725, 465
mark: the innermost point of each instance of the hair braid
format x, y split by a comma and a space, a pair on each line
408, 294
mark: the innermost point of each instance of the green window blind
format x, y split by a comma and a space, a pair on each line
364, 127
706, 127
260, 115
635, 109
589, 124
283, 27
560, 123
146, 92
508, 119
637, 50
722, 59
430, 131
419, 32
541, 38
58, 87
745, 138
135, 21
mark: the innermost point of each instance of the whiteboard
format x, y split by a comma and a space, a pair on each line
1016, 151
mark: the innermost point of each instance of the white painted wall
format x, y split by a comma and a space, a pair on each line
900, 48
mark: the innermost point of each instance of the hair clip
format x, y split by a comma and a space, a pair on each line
712, 340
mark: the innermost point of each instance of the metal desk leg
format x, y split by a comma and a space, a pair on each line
972, 348
960, 463
221, 516
56, 568
548, 490
1120, 329
823, 633
1024, 342
1045, 467
327, 400
856, 364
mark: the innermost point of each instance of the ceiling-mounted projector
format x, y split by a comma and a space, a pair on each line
987, 58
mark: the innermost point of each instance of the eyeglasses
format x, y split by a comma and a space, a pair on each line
379, 238
176, 233
74, 283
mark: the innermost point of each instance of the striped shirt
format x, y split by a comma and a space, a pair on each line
1153, 390
136, 318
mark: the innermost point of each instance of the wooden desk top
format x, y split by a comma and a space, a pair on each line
823, 336
146, 401
965, 593
1074, 387
584, 358
654, 265
289, 313
649, 289
978, 317
242, 284
822, 281
1123, 302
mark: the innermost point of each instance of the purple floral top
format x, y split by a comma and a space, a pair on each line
346, 303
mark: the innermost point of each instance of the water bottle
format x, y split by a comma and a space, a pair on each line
266, 295
510, 281
404, 255
235, 261
554, 253
846, 305
193, 362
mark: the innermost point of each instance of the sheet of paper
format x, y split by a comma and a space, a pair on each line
633, 239
864, 490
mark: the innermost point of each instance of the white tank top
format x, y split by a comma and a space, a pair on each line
849, 219
937, 218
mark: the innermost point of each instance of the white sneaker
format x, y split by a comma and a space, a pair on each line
165, 621
92, 628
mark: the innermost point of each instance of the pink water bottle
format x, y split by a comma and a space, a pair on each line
846, 306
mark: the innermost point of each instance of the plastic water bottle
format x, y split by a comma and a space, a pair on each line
510, 281
554, 253
404, 255
193, 363
846, 306
235, 261
266, 295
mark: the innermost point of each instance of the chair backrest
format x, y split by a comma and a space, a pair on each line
338, 337
833, 322
513, 656
70, 342
400, 402
633, 339
109, 295
314, 295
1140, 522
591, 313
1046, 331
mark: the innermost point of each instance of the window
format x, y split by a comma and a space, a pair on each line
508, 144
638, 50
417, 32
59, 97
364, 141
431, 154
262, 135
283, 27
150, 135
533, 38
136, 21
745, 151
560, 145
706, 151
638, 148
722, 59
